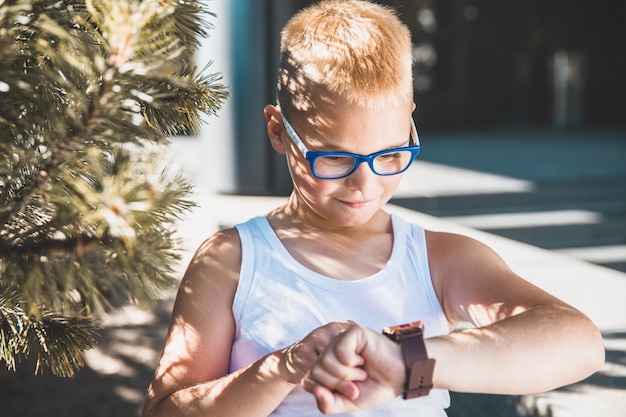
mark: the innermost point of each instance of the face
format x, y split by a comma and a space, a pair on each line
353, 200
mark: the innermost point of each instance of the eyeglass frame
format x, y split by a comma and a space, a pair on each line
311, 156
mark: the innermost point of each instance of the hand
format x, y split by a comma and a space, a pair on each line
358, 369
298, 358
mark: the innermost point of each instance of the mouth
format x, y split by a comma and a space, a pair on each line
355, 204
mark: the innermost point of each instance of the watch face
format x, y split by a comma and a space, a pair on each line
405, 330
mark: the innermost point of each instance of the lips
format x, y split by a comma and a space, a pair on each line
356, 204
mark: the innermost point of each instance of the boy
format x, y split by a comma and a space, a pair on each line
259, 303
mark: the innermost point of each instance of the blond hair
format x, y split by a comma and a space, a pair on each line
350, 49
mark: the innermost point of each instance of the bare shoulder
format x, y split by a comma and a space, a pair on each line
452, 255
210, 281
219, 253
202, 325
451, 251
474, 283
208, 287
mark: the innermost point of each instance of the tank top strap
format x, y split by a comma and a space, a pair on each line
246, 275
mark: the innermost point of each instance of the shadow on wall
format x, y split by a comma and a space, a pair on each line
113, 383
482, 405
122, 366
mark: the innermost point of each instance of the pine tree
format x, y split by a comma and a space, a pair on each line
90, 93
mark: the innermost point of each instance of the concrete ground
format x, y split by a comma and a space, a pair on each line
117, 373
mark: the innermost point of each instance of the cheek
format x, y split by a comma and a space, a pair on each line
301, 176
315, 190
310, 188
391, 186
393, 182
298, 168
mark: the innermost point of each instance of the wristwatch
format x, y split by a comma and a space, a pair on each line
419, 368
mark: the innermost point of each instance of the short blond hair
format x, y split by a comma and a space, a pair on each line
350, 49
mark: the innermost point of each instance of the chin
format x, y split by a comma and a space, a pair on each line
355, 219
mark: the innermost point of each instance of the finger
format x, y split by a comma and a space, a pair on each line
348, 389
346, 356
329, 402
320, 337
346, 347
320, 376
323, 398
330, 372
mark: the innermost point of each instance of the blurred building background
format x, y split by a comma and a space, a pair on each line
526, 89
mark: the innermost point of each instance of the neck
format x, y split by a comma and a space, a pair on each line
297, 215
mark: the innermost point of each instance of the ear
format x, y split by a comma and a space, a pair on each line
274, 128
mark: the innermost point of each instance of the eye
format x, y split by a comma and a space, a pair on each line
390, 156
336, 159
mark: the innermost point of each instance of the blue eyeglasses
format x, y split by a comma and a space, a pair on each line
335, 165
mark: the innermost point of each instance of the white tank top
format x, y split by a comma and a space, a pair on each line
279, 301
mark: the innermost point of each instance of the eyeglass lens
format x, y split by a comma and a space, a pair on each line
388, 163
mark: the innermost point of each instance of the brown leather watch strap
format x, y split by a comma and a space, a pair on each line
419, 368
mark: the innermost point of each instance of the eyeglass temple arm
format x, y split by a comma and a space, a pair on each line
294, 136
296, 139
414, 134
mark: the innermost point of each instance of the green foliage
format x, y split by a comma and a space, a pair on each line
90, 92
59, 339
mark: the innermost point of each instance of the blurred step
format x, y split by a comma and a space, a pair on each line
611, 256
553, 229
528, 219
565, 215
606, 195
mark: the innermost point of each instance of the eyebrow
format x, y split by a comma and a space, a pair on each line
338, 149
335, 148
291, 131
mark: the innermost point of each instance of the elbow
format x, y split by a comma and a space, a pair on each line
596, 355
151, 410
147, 410
591, 352
151, 404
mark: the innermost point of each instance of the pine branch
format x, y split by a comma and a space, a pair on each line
78, 243
86, 220
59, 340
124, 229
170, 113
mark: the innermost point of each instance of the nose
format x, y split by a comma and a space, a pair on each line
360, 177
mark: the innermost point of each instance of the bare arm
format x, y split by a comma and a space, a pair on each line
192, 376
525, 340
